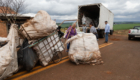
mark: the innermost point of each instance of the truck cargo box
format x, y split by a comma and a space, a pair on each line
98, 14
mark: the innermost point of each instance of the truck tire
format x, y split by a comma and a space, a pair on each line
111, 32
129, 38
101, 34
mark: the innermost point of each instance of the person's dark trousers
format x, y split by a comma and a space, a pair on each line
96, 36
106, 36
68, 47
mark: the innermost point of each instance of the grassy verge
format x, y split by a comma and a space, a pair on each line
121, 29
65, 25
124, 26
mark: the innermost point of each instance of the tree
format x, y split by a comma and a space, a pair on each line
11, 9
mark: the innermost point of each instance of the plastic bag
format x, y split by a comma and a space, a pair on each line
83, 48
41, 25
27, 58
83, 19
88, 21
8, 54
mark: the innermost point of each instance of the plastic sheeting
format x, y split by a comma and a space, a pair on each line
41, 25
83, 48
86, 20
51, 43
83, 19
8, 54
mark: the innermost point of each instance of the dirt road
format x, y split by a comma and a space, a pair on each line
121, 62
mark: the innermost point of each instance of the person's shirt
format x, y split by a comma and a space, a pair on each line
107, 28
71, 32
93, 30
84, 29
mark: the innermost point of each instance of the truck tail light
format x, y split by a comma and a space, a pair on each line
129, 31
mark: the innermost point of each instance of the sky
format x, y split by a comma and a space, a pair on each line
124, 10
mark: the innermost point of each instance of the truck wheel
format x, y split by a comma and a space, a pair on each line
111, 32
129, 38
102, 35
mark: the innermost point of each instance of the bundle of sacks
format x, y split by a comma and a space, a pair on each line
84, 48
41, 25
37, 29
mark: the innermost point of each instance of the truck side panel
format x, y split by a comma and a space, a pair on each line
105, 15
110, 21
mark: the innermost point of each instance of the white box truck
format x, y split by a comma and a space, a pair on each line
98, 14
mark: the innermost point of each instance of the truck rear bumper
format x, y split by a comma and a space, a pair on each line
134, 35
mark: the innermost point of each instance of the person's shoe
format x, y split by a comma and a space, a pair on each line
105, 42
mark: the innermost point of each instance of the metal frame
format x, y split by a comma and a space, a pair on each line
55, 36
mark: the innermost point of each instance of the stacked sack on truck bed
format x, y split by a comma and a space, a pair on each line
84, 48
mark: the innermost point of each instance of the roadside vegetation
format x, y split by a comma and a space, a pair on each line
124, 26
115, 27
123, 29
119, 29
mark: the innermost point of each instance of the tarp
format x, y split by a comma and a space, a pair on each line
41, 25
8, 54
83, 48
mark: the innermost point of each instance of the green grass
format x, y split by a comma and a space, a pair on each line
115, 27
124, 26
65, 25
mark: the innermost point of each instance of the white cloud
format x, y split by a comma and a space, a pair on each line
67, 9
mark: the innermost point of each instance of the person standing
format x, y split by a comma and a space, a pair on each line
71, 31
93, 30
107, 31
84, 28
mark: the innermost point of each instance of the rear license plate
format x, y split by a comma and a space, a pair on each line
137, 36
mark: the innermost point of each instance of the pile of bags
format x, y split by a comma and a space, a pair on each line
36, 29
87, 21
84, 48
11, 59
